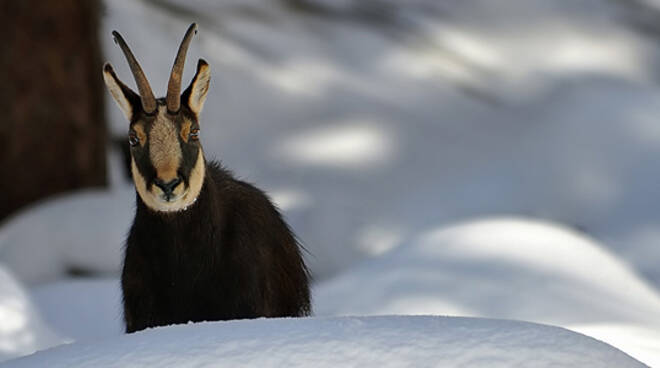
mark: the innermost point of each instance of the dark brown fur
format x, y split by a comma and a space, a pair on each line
229, 256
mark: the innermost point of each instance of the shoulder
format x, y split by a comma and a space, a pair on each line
241, 196
227, 181
217, 173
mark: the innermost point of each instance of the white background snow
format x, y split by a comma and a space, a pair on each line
465, 158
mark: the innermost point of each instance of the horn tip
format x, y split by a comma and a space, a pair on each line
115, 36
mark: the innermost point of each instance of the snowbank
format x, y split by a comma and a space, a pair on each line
498, 268
346, 342
84, 231
81, 309
22, 331
505, 268
502, 268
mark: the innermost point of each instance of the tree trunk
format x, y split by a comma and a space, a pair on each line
52, 130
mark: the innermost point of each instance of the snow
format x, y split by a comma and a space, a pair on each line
505, 268
508, 268
83, 231
434, 112
501, 268
392, 341
22, 331
81, 309
403, 144
638, 341
377, 131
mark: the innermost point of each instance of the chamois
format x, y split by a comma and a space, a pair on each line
203, 245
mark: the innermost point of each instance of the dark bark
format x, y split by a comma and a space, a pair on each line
52, 130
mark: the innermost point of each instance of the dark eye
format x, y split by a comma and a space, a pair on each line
194, 134
133, 139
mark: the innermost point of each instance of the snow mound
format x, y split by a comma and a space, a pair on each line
500, 268
22, 330
497, 268
83, 231
641, 342
392, 341
505, 268
81, 309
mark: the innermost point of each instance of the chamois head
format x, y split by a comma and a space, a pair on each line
167, 161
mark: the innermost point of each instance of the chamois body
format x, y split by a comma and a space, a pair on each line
228, 256
203, 245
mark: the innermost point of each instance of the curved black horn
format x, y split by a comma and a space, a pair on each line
174, 86
147, 96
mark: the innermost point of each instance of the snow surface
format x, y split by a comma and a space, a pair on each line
81, 309
22, 331
506, 268
392, 341
84, 231
503, 268
375, 130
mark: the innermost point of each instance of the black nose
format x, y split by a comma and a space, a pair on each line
168, 187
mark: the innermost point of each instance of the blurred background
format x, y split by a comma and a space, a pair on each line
373, 124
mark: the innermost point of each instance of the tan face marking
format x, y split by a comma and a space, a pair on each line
183, 197
196, 180
139, 131
185, 130
164, 149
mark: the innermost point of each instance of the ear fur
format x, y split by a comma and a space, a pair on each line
127, 100
195, 95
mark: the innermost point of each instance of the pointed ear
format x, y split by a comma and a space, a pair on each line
195, 95
127, 100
